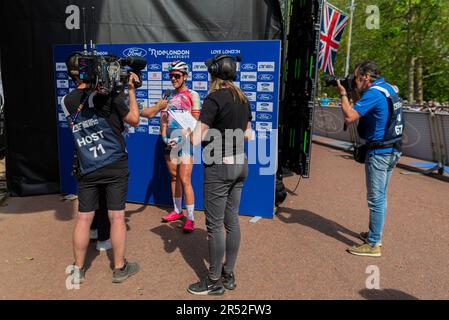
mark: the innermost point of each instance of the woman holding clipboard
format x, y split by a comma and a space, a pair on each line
226, 115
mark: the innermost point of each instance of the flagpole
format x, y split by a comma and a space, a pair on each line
351, 8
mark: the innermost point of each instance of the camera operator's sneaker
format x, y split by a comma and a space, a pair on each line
104, 245
365, 250
189, 225
228, 280
128, 269
207, 287
364, 237
93, 234
172, 216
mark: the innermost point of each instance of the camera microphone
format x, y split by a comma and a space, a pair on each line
166, 94
135, 62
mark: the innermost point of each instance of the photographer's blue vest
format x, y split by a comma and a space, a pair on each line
96, 144
395, 125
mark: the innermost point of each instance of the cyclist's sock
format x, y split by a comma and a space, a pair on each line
177, 204
190, 209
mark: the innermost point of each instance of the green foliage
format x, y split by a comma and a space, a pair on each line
408, 28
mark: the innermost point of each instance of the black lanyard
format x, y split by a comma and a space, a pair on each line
78, 110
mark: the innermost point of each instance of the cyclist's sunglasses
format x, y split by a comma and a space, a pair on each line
177, 76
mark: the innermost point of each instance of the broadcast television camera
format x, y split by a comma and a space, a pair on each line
107, 72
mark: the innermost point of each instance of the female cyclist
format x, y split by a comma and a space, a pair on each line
178, 151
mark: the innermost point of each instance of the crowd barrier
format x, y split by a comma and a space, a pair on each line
426, 134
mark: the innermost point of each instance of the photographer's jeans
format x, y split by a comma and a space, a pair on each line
378, 169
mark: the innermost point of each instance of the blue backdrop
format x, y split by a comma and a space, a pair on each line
258, 77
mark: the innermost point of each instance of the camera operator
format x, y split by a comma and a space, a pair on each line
97, 123
379, 111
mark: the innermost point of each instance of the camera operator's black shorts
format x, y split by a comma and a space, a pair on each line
112, 179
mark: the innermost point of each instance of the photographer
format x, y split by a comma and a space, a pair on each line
381, 124
97, 123
226, 109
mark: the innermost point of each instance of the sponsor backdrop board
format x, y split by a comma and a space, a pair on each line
258, 77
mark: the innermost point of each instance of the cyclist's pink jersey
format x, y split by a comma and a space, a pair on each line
187, 100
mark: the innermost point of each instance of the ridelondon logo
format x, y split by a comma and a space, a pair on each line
170, 54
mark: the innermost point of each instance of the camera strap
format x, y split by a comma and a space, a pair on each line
71, 118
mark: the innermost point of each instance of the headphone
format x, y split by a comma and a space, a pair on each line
223, 66
74, 72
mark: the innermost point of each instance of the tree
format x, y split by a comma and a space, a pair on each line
410, 45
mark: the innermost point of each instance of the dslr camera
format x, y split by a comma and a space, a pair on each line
348, 83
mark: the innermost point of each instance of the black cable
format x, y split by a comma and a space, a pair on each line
299, 180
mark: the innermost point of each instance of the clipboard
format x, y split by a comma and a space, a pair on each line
184, 119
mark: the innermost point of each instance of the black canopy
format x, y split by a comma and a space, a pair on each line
30, 28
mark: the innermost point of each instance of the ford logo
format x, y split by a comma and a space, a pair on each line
248, 66
264, 116
154, 66
253, 106
139, 52
265, 77
248, 87
202, 95
265, 97
61, 75
263, 125
154, 121
166, 76
62, 92
141, 94
141, 129
200, 76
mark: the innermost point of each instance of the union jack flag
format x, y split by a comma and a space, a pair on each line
333, 23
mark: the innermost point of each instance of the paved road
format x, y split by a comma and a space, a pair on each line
300, 254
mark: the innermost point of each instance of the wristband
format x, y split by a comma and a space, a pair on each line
140, 106
343, 94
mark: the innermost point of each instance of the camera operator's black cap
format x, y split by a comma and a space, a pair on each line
223, 67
